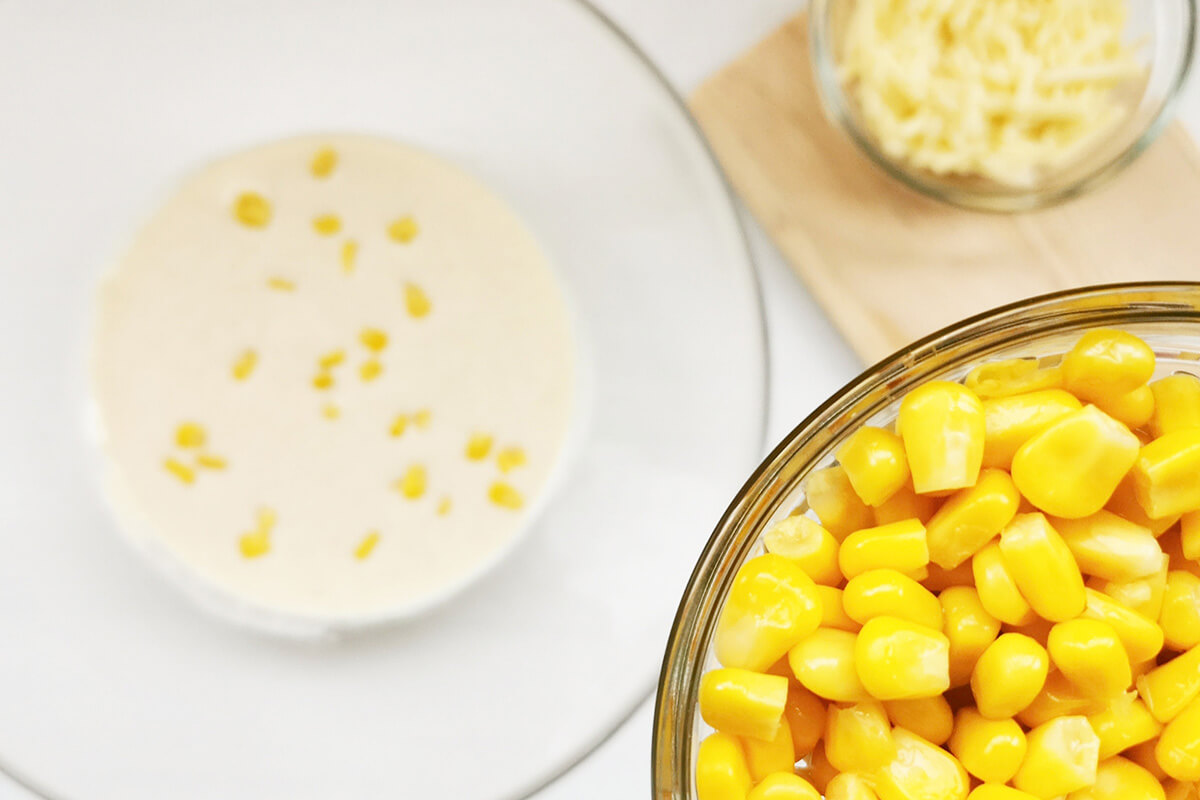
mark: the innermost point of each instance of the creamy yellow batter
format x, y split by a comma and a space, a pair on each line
333, 375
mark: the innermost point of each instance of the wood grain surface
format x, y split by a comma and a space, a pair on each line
890, 265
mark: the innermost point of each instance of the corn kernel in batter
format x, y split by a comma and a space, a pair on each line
510, 458
210, 461
403, 230
373, 339
363, 551
180, 470
478, 446
416, 301
412, 485
244, 365
327, 224
324, 161
505, 496
252, 210
349, 255
370, 369
190, 434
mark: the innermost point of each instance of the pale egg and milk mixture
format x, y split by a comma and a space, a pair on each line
333, 377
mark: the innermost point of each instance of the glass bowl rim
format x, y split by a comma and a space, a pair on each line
837, 109
1160, 300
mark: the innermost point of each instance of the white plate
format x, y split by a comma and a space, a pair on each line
112, 684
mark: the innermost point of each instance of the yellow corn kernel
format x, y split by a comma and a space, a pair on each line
403, 230
772, 605
1009, 675
1124, 503
1058, 698
858, 738
931, 718
1090, 654
1172, 545
510, 458
327, 224
1176, 404
349, 255
322, 381
938, 579
370, 369
900, 546
281, 284
330, 411
831, 496
252, 210
478, 446
1166, 474
886, 592
852, 786
905, 504
875, 463
399, 425
971, 518
1132, 409
1012, 421
742, 702
422, 418
1120, 779
182, 472
1167, 689
805, 716
210, 461
943, 429
998, 590
1073, 466
412, 483
1043, 568
1141, 638
331, 359
373, 339
416, 302
1180, 616
920, 771
897, 659
1178, 748
773, 755
255, 544
443, 507
1189, 535
998, 791
323, 162
1062, 756
1007, 377
190, 434
969, 627
244, 364
505, 496
1123, 723
989, 749
823, 662
366, 546
1144, 595
809, 545
1111, 547
1105, 363
784, 786
721, 771
833, 613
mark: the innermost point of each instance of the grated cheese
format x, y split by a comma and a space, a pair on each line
1003, 89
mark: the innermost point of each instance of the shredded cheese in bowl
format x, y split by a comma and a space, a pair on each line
1005, 90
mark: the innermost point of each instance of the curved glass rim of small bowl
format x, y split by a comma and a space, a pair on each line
778, 478
1078, 181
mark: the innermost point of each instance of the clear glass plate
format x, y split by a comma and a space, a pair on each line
112, 683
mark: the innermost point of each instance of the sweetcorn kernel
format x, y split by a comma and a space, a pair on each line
1058, 698
743, 702
824, 663
1111, 547
210, 461
905, 504
349, 255
255, 543
805, 715
443, 507
971, 517
990, 749
416, 302
478, 446
323, 162
900, 545
190, 434
931, 718
784, 786
1176, 404
1180, 615
943, 429
833, 612
505, 496
1141, 638
1009, 675
423, 417
1122, 724
1090, 654
281, 284
330, 411
772, 605
1170, 687
721, 770
897, 659
1132, 409
373, 339
1012, 376
858, 738
398, 426
831, 496
331, 359
252, 210
412, 484
809, 545
875, 463
1178, 748
1012, 421
366, 546
849, 786
510, 458
403, 230
370, 369
1043, 568
1166, 474
1120, 779
1062, 756
327, 224
1107, 363
244, 364
886, 592
920, 771
181, 471
969, 627
322, 380
997, 588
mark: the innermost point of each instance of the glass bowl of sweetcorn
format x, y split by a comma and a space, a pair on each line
1001, 106
973, 572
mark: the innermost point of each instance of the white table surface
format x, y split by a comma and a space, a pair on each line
689, 39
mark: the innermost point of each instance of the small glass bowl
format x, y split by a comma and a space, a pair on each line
1165, 30
1165, 315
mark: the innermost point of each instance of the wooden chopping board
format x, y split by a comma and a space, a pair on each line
890, 265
